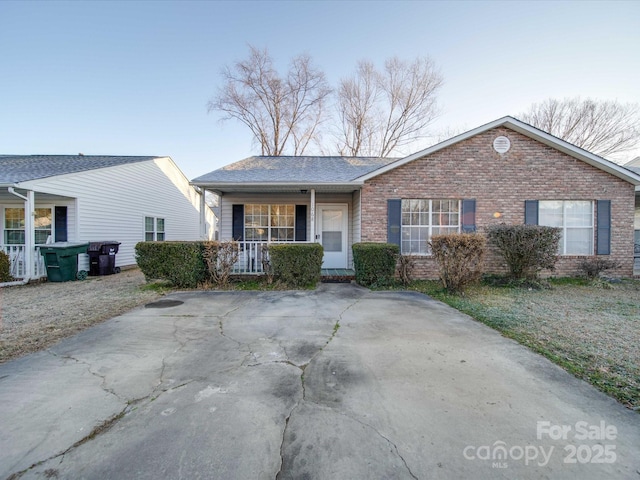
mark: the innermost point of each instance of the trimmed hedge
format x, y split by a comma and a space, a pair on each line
375, 263
5, 268
181, 263
460, 258
296, 265
527, 249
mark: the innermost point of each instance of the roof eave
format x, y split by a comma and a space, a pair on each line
527, 130
291, 187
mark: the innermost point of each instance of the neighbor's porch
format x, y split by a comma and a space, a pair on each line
17, 261
29, 220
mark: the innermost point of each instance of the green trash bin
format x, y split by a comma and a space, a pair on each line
61, 260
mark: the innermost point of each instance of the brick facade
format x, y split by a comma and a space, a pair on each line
500, 183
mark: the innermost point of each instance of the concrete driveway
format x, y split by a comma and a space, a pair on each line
337, 383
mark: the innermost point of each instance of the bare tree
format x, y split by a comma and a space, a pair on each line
283, 113
381, 112
603, 127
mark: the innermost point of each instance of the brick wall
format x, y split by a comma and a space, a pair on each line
501, 183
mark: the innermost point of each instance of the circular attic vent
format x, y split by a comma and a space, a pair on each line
501, 144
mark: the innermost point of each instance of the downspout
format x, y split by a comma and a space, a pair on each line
29, 235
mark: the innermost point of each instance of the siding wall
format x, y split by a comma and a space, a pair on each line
501, 183
112, 203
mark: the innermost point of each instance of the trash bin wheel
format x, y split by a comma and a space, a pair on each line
82, 275
116, 270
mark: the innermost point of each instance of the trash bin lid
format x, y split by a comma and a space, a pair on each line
96, 246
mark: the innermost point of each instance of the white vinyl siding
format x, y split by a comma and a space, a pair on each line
575, 218
111, 204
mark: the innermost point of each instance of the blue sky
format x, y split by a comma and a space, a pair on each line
134, 78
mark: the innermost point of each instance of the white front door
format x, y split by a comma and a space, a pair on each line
331, 233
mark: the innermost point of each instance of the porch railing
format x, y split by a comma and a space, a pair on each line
17, 261
252, 257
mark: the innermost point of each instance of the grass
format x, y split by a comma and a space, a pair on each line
591, 330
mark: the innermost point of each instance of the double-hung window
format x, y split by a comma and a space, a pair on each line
275, 223
14, 225
422, 218
153, 229
575, 218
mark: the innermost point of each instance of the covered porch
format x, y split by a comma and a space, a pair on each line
29, 220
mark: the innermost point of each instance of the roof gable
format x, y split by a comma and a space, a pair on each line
528, 131
22, 168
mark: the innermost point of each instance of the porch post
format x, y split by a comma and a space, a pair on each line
312, 216
29, 235
203, 219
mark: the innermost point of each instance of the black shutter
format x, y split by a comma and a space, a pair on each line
301, 223
238, 223
603, 211
394, 220
469, 215
531, 212
60, 233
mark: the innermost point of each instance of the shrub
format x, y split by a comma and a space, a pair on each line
406, 266
220, 258
460, 258
296, 265
375, 263
592, 267
181, 263
5, 268
527, 249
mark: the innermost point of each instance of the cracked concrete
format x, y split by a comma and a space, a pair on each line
334, 383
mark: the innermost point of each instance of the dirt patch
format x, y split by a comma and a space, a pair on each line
33, 317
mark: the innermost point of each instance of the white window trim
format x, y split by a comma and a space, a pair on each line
3, 228
155, 228
428, 253
269, 226
563, 239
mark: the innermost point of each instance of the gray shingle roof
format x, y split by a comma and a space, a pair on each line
294, 170
20, 168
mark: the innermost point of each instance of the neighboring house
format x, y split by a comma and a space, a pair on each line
504, 171
634, 166
78, 198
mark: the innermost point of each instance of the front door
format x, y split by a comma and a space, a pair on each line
331, 232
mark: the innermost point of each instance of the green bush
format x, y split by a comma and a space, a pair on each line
527, 249
375, 263
296, 265
5, 268
460, 258
181, 263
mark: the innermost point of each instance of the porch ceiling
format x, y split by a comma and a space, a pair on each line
5, 196
222, 188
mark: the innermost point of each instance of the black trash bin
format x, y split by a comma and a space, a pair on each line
102, 258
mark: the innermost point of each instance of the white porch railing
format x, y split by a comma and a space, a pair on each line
251, 259
17, 261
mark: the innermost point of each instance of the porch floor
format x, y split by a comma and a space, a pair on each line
337, 275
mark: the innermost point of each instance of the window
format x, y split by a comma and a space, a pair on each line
153, 229
274, 223
42, 224
575, 218
423, 218
14, 225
